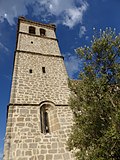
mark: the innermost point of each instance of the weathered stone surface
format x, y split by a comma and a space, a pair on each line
52, 151
32, 145
25, 145
54, 145
28, 153
20, 124
66, 156
24, 111
41, 157
43, 151
49, 157
58, 156
20, 119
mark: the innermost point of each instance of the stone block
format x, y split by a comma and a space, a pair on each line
25, 146
20, 119
24, 111
52, 151
54, 145
49, 157
58, 157
20, 124
66, 156
33, 112
28, 153
43, 151
33, 145
41, 157
28, 140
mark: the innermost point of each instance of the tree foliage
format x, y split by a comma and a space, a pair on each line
95, 101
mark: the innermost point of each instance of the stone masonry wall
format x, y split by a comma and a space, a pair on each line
26, 140
24, 27
35, 43
33, 89
38, 44
36, 87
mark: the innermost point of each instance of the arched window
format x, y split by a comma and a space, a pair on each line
44, 117
31, 29
48, 118
42, 32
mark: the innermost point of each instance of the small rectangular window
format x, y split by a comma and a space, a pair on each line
44, 118
42, 32
43, 69
46, 125
32, 29
30, 70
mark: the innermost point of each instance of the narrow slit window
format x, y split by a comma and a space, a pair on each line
30, 70
32, 30
42, 32
43, 70
44, 120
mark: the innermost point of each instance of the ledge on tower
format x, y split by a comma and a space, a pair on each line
22, 18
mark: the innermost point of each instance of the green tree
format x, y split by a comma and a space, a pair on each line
95, 101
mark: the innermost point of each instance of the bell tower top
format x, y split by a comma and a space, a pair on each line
41, 36
24, 25
39, 70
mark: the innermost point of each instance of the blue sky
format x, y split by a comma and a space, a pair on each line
75, 20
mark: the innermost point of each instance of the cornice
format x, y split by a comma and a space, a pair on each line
50, 26
46, 55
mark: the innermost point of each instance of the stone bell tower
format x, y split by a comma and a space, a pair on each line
39, 118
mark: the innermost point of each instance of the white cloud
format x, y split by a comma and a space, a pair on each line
73, 64
74, 15
82, 31
10, 9
57, 7
69, 12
